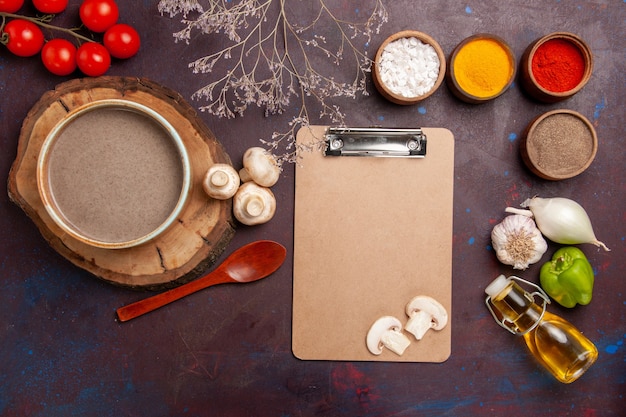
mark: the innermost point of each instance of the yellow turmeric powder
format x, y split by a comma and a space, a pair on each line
483, 68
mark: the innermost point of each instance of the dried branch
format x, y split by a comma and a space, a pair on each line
276, 57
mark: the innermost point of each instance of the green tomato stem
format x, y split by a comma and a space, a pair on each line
42, 21
4, 37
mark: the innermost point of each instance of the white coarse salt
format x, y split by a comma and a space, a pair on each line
408, 67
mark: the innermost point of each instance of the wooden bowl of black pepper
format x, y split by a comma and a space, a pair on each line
559, 144
425, 70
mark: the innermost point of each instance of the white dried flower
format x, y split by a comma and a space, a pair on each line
270, 58
181, 6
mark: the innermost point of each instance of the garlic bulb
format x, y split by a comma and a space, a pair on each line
561, 220
518, 242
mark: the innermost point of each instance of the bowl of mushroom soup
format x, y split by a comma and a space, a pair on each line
113, 174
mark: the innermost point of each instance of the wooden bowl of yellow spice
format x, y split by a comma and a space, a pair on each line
481, 68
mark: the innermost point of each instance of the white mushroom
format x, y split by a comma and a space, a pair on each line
425, 313
254, 204
259, 166
387, 332
221, 181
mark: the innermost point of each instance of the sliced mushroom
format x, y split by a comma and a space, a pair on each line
425, 313
259, 166
221, 181
254, 204
386, 332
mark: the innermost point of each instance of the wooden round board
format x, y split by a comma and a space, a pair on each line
181, 253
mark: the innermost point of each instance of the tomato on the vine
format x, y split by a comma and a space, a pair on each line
122, 41
11, 6
50, 6
59, 56
24, 37
99, 15
93, 59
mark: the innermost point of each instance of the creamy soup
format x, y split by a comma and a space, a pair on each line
115, 175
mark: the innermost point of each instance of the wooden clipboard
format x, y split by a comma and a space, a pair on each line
370, 234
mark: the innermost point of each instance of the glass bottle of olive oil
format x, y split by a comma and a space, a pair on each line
554, 342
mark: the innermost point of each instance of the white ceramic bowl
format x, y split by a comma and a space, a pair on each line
114, 174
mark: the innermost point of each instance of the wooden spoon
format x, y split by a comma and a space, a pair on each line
249, 263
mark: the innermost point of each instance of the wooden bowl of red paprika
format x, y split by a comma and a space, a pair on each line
555, 67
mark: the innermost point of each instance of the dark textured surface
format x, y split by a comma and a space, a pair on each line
226, 351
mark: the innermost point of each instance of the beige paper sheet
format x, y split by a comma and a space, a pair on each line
370, 234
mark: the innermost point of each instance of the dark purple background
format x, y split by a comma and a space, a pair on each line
227, 351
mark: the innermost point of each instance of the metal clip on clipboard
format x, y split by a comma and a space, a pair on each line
378, 142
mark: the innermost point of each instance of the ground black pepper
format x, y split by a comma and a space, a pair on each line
561, 144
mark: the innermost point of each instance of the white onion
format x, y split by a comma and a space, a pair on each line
561, 220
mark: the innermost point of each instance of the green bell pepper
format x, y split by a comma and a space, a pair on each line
568, 277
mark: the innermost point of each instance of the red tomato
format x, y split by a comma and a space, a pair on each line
59, 56
11, 6
93, 59
99, 15
122, 41
25, 38
50, 6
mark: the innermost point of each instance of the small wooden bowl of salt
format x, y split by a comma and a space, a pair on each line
409, 66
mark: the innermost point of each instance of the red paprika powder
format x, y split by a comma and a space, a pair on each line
558, 65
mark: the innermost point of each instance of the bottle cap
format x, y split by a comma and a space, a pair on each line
497, 285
